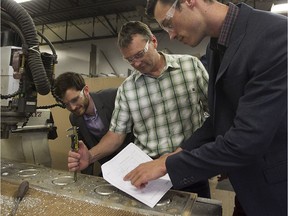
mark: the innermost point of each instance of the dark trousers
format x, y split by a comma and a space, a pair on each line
202, 189
238, 211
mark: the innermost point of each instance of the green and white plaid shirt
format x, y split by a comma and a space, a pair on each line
164, 111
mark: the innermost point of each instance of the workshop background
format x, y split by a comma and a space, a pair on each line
84, 36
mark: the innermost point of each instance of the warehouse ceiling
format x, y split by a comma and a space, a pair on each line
76, 20
53, 11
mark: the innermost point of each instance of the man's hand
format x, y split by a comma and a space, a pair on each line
146, 172
79, 160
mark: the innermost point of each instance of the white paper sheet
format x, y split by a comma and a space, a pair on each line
125, 161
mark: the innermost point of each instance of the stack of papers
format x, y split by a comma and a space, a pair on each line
124, 162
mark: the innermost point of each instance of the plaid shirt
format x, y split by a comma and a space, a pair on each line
164, 111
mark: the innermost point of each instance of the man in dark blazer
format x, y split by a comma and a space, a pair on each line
90, 112
246, 133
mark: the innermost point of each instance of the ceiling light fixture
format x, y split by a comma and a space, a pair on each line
280, 8
21, 1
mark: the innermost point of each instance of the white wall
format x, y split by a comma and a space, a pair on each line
75, 56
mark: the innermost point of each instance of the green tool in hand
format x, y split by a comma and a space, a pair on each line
74, 143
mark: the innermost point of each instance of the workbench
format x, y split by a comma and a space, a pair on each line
55, 192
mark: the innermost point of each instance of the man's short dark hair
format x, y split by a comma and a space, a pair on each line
68, 80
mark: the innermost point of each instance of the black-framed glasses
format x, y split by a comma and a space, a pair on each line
166, 23
138, 55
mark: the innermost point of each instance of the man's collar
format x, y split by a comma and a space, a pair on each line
215, 46
170, 63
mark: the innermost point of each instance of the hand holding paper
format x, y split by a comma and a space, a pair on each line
145, 172
128, 159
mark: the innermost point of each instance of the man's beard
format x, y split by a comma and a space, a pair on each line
83, 108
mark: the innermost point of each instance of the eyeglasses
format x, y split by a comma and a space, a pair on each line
75, 100
138, 55
166, 23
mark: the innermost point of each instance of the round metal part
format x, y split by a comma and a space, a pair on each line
105, 189
28, 172
63, 180
164, 202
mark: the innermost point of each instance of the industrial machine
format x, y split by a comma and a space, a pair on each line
25, 73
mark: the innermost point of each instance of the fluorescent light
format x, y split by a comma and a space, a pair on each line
21, 1
280, 8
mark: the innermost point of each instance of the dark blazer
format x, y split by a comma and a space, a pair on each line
246, 133
104, 101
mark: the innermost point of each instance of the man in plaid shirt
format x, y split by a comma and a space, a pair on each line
164, 99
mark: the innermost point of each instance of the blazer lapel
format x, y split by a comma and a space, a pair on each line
229, 54
235, 40
101, 110
85, 132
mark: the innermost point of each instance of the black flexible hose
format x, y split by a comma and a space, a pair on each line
26, 24
15, 28
50, 45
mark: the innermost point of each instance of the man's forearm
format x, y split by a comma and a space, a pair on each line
107, 145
